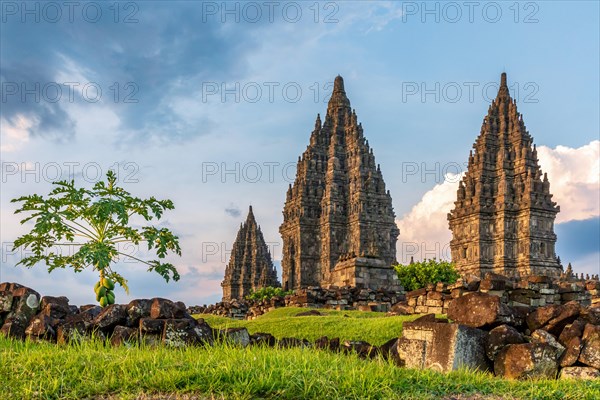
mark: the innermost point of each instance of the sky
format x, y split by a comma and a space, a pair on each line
209, 104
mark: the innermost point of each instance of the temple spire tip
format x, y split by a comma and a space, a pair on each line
338, 84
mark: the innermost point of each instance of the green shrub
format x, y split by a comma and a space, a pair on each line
267, 293
417, 275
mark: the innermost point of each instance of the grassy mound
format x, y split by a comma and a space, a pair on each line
373, 327
91, 370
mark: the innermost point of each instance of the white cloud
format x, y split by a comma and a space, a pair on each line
574, 181
15, 135
424, 229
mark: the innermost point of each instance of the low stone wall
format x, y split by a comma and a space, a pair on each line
533, 291
25, 314
550, 341
335, 298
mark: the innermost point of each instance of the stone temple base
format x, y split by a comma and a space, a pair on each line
366, 273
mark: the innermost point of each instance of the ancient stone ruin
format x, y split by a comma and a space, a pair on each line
250, 266
515, 342
25, 314
338, 225
503, 219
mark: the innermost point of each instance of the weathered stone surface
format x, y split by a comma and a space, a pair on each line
88, 307
442, 347
541, 316
324, 343
573, 349
541, 336
123, 335
567, 314
262, 339
360, 347
56, 310
236, 336
503, 174
571, 331
25, 305
424, 318
493, 281
136, 310
481, 310
206, 334
42, 326
411, 352
250, 267
75, 328
338, 212
111, 316
499, 337
14, 326
180, 333
166, 309
151, 326
591, 315
401, 308
579, 373
6, 301
590, 351
46, 300
527, 361
389, 351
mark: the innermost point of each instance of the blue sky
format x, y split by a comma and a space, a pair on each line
186, 112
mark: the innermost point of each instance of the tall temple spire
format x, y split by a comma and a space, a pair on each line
338, 208
250, 266
338, 99
503, 92
503, 219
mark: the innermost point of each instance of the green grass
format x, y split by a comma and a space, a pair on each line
373, 327
46, 371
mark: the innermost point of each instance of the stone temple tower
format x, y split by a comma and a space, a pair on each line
250, 266
503, 219
338, 223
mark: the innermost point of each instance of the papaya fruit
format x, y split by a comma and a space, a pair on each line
103, 301
107, 283
111, 297
97, 286
101, 291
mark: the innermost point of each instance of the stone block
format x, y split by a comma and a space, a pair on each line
573, 350
579, 373
441, 346
481, 310
500, 337
123, 335
527, 361
166, 309
590, 351
236, 336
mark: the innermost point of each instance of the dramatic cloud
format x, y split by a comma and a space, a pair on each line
424, 230
573, 175
139, 66
574, 179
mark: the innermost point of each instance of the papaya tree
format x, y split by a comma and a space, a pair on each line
95, 223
